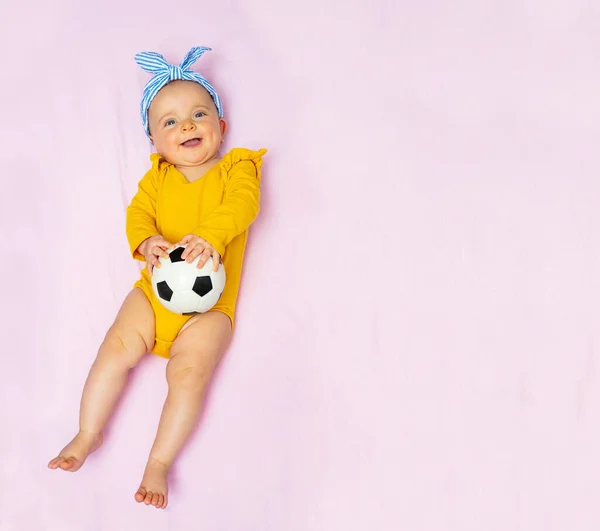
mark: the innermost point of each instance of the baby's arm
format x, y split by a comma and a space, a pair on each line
145, 242
237, 211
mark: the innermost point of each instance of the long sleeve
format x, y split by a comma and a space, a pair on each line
240, 204
141, 214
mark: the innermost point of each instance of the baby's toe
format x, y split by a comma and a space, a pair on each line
54, 463
67, 463
140, 495
148, 498
155, 499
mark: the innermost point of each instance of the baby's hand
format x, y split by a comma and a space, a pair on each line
196, 246
152, 248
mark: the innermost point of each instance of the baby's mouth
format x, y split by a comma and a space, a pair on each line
192, 142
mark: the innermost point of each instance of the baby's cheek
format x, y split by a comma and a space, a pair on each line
172, 137
215, 136
167, 143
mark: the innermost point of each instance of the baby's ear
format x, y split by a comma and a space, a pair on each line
223, 123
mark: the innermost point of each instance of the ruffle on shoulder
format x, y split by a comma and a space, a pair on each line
236, 155
158, 162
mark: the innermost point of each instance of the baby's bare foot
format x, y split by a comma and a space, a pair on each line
153, 489
75, 453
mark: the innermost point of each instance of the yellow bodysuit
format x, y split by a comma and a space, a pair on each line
218, 207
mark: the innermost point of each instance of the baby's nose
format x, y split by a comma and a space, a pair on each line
187, 125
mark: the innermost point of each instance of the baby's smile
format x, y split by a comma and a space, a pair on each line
192, 142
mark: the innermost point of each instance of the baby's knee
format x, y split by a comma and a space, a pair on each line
122, 347
187, 377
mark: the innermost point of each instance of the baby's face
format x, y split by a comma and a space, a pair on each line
184, 124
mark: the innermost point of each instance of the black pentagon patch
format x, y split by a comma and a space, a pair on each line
164, 291
203, 285
188, 314
175, 255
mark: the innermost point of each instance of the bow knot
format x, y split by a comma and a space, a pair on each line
175, 72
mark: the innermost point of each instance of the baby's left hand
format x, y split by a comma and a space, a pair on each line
196, 246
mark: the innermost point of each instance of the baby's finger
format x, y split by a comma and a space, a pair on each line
216, 261
196, 251
185, 240
158, 250
204, 257
187, 251
164, 244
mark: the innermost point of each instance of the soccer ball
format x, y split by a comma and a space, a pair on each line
183, 288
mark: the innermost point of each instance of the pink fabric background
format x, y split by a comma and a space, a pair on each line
417, 342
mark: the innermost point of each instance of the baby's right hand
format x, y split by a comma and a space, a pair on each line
152, 248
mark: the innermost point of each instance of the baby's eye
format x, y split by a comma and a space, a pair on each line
199, 114
169, 122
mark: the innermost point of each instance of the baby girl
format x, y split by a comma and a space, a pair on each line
191, 196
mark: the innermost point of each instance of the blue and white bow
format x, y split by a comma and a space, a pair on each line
165, 73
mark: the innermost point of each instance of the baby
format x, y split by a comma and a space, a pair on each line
194, 197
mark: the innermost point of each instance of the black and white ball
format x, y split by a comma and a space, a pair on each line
183, 288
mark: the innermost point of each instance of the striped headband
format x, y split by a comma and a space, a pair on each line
164, 73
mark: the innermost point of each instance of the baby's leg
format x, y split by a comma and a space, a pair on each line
126, 342
194, 356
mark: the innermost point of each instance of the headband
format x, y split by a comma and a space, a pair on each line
164, 73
